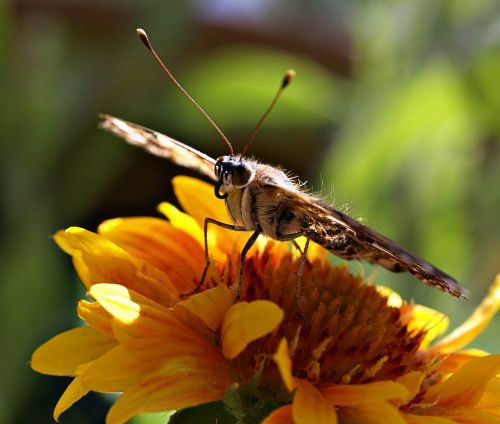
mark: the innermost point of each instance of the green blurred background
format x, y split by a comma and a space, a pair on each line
395, 112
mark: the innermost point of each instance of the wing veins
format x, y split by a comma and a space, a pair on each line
159, 145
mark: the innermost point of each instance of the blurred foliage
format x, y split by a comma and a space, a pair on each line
395, 111
417, 151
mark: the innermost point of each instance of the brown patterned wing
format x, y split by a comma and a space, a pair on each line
351, 240
159, 145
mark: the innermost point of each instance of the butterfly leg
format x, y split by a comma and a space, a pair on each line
296, 245
250, 242
207, 256
300, 269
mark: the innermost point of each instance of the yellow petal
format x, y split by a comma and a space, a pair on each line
219, 240
96, 316
412, 381
131, 308
117, 300
155, 344
123, 367
141, 323
475, 324
426, 419
355, 394
245, 322
490, 401
62, 354
281, 415
177, 391
159, 243
471, 416
98, 260
309, 406
371, 413
393, 298
198, 200
138, 313
117, 370
210, 305
284, 363
433, 322
182, 221
467, 385
456, 360
75, 391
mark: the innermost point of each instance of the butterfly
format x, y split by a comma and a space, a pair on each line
267, 201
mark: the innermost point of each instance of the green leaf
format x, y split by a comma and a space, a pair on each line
207, 413
244, 402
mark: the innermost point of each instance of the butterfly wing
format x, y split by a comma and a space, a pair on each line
159, 145
351, 240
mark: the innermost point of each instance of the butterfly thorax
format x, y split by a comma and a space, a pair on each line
252, 194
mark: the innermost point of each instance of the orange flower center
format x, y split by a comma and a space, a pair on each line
347, 333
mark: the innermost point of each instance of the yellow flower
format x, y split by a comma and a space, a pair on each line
355, 353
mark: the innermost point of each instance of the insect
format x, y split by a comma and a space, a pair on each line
263, 199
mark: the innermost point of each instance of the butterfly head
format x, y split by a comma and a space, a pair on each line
232, 173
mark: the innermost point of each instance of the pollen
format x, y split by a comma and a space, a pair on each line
345, 332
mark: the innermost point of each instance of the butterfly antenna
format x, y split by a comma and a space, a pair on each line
287, 79
144, 38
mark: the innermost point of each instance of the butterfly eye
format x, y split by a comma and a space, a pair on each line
217, 169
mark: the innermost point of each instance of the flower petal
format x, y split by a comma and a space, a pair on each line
210, 305
309, 406
371, 413
219, 240
281, 415
457, 360
117, 300
124, 367
490, 401
75, 391
158, 242
413, 382
475, 324
467, 385
143, 326
96, 316
198, 200
423, 318
471, 416
98, 260
177, 391
117, 370
139, 318
284, 363
393, 298
245, 322
355, 394
426, 419
62, 354
182, 221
